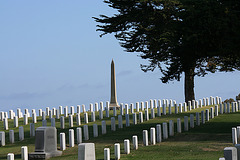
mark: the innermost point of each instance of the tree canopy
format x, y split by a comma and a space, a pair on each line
193, 37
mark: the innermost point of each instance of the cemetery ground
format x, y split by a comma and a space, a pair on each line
206, 141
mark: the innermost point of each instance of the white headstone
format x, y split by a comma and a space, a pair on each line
62, 122
140, 117
117, 151
2, 138
62, 142
126, 146
159, 133
152, 136
113, 125
21, 133
86, 151
32, 130
104, 130
171, 128
15, 121
230, 153
165, 130
10, 156
127, 120
85, 132
120, 124
106, 154
11, 136
78, 119
93, 116
79, 135
86, 117
135, 142
145, 137
71, 138
24, 153
95, 130
70, 120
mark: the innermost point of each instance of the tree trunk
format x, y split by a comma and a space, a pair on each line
189, 84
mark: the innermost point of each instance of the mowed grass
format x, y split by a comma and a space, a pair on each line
206, 141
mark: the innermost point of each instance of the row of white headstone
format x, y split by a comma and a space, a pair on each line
153, 104
165, 132
223, 108
44, 122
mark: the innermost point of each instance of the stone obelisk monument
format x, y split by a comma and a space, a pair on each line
113, 100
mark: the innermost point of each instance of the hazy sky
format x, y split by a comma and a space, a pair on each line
51, 55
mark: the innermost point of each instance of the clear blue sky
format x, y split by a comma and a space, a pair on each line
51, 55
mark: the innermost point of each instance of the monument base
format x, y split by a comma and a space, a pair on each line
112, 105
43, 155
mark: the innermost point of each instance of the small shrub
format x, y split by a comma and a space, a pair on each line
230, 100
238, 97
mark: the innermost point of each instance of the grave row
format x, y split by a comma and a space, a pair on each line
223, 108
153, 104
156, 135
165, 135
57, 113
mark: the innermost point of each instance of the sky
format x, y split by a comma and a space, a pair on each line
51, 55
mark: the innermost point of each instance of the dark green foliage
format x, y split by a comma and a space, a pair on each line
238, 97
230, 100
178, 36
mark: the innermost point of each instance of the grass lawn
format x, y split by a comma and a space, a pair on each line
202, 142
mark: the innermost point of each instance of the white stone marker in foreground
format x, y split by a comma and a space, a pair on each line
145, 137
230, 153
62, 142
2, 138
135, 142
24, 153
86, 151
126, 146
71, 138
234, 136
10, 156
117, 151
79, 135
107, 153
152, 136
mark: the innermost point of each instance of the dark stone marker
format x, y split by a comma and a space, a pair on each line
45, 144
